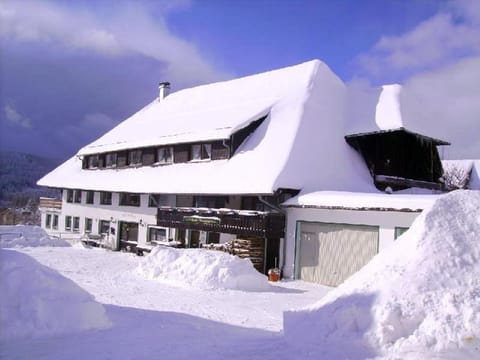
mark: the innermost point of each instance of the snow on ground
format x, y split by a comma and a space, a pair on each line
153, 319
203, 269
24, 235
418, 299
37, 301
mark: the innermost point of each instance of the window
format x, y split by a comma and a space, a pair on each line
69, 196
165, 155
76, 224
68, 223
399, 231
77, 196
148, 156
48, 221
104, 227
135, 157
201, 151
55, 222
93, 161
157, 234
122, 158
90, 195
215, 202
157, 200
105, 198
129, 199
88, 225
111, 160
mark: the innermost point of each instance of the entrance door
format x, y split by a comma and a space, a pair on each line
128, 235
329, 253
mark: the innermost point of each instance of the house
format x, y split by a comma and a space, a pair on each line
213, 164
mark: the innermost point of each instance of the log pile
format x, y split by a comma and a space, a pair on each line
246, 248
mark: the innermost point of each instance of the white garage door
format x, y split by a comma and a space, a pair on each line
329, 253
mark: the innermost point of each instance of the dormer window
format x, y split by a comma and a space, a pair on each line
93, 161
201, 152
111, 160
135, 157
165, 155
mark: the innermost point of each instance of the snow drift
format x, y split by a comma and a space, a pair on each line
37, 301
27, 236
204, 269
422, 293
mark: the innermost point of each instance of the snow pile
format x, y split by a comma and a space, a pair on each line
422, 293
24, 235
203, 269
37, 301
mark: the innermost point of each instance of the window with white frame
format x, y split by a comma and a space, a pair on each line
77, 196
68, 222
129, 199
165, 155
55, 222
69, 196
111, 160
157, 234
93, 161
135, 157
90, 195
76, 224
48, 221
201, 152
88, 225
105, 198
103, 226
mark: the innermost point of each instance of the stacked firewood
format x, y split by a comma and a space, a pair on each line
247, 248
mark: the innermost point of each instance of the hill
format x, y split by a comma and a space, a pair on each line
19, 173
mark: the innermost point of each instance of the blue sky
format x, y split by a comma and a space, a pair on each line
71, 70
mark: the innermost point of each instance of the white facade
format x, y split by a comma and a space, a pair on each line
386, 221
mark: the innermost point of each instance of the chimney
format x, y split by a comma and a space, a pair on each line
164, 90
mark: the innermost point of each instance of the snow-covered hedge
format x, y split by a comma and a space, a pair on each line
37, 301
422, 293
200, 268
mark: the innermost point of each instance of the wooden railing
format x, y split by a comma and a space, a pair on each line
50, 203
244, 223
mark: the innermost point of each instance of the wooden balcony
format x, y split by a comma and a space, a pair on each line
50, 203
238, 222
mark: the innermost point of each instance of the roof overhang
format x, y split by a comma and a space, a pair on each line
351, 138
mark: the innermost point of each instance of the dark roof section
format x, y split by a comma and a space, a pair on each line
437, 142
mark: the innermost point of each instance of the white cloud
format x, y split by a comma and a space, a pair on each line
14, 117
128, 28
445, 103
450, 35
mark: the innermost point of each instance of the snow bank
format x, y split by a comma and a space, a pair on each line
422, 293
37, 301
200, 268
24, 235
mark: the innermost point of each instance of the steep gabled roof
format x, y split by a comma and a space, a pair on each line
299, 145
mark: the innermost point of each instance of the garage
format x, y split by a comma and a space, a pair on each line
328, 253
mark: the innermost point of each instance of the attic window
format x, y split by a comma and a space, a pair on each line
201, 152
165, 155
135, 157
93, 161
111, 160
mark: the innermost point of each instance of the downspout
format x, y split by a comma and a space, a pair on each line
281, 263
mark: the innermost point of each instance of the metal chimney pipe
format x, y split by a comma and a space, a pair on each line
163, 90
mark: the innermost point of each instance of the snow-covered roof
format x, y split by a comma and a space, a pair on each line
362, 201
292, 148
